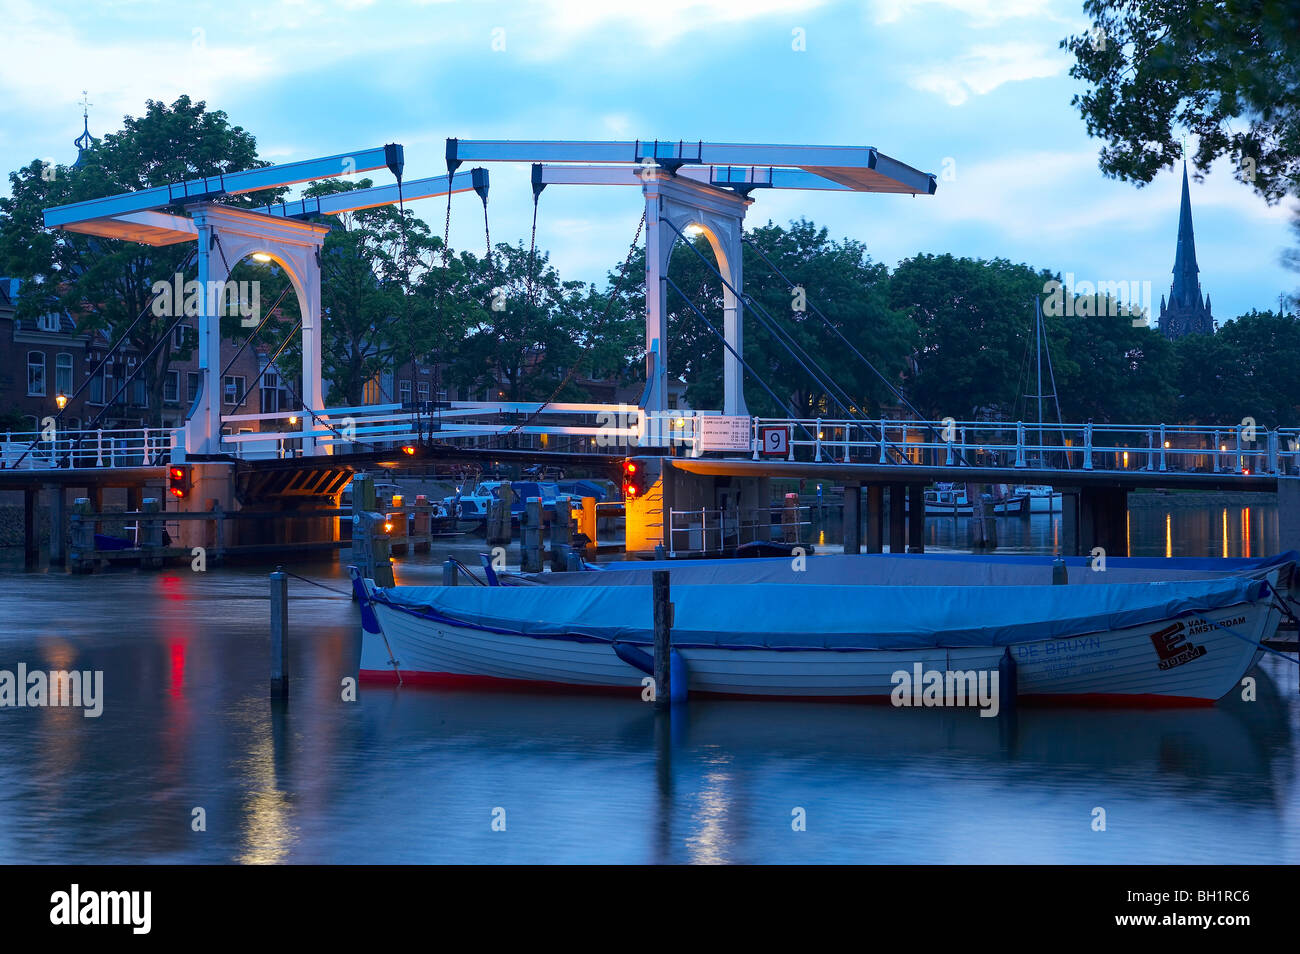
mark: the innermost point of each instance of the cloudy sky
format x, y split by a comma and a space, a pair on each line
976, 91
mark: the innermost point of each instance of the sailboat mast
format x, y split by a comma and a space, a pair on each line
1038, 359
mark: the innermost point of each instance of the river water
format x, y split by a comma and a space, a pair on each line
419, 775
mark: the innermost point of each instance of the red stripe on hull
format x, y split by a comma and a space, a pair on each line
451, 680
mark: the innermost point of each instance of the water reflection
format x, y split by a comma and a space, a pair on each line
1153, 526
408, 775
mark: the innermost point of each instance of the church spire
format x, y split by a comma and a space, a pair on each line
1186, 311
1187, 285
85, 140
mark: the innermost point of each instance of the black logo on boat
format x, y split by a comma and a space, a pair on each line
1172, 646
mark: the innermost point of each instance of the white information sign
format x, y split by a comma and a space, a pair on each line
719, 433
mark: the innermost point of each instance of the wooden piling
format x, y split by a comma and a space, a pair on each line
531, 533
450, 573
663, 638
897, 518
561, 535
279, 634
58, 526
790, 519
916, 518
81, 555
423, 540
1007, 683
875, 518
1060, 575
852, 518
150, 533
31, 528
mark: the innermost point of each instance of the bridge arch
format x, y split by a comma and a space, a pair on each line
226, 237
674, 205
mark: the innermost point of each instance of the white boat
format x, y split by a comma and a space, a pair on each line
1040, 499
948, 500
1170, 642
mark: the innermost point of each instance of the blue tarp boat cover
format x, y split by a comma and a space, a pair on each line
776, 616
912, 569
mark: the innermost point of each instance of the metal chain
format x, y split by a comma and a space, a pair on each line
609, 308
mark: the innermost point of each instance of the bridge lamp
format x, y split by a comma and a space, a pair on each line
293, 419
261, 257
408, 450
61, 400
1166, 445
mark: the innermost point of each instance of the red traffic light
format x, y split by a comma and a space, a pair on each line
633, 482
178, 481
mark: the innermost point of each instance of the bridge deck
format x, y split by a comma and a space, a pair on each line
923, 474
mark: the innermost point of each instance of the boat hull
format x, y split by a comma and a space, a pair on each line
1169, 661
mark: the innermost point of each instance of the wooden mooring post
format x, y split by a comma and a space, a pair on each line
561, 535
279, 634
663, 638
531, 536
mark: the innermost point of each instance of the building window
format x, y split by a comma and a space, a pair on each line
192, 386
102, 388
139, 393
370, 393
181, 337
172, 387
232, 389
442, 397
63, 373
404, 391
424, 392
270, 393
36, 373
48, 322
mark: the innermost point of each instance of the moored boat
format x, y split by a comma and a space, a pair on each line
1168, 642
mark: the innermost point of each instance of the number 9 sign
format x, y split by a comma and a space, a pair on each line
775, 441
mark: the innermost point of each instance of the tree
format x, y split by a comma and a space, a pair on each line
373, 316
1245, 370
839, 280
104, 283
1110, 371
528, 335
1228, 71
974, 318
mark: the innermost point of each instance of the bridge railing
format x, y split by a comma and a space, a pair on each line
108, 448
588, 428
1108, 447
